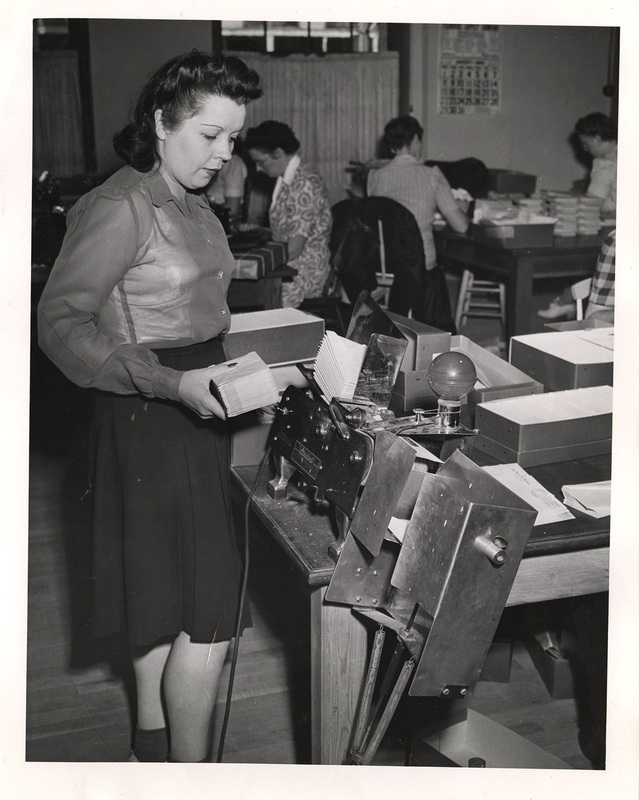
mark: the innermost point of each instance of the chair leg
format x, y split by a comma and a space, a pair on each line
502, 306
462, 304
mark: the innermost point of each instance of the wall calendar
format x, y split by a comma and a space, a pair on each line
469, 70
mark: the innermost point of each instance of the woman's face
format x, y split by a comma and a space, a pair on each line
192, 153
271, 164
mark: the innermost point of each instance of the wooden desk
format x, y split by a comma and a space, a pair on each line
561, 560
573, 257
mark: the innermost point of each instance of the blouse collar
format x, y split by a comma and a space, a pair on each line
405, 158
287, 177
160, 193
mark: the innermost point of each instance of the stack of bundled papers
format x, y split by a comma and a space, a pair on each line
588, 216
244, 384
563, 206
590, 498
338, 365
548, 508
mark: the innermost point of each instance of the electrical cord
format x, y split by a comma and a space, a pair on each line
240, 610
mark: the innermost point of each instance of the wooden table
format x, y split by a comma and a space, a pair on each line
570, 257
564, 559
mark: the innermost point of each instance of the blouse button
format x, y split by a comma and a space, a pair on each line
223, 313
220, 274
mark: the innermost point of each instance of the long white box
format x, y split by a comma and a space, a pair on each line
278, 336
549, 427
566, 359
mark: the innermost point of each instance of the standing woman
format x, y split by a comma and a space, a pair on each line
300, 212
598, 136
136, 308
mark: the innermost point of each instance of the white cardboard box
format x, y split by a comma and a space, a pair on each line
571, 359
468, 734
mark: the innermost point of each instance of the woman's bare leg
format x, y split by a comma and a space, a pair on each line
191, 681
149, 666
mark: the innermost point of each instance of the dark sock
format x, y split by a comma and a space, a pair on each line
151, 745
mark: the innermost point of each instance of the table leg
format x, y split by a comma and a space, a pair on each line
338, 667
519, 294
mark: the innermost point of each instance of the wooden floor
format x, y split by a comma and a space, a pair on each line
78, 706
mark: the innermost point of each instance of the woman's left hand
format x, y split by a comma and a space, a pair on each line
195, 393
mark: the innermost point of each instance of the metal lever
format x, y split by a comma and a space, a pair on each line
338, 420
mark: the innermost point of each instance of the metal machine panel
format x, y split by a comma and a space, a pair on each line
392, 462
361, 579
458, 560
331, 462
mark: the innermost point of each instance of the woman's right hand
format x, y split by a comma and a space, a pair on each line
195, 393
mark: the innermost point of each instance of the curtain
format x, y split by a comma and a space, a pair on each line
337, 106
57, 115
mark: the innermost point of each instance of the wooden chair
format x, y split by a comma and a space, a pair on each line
384, 278
581, 291
331, 305
480, 298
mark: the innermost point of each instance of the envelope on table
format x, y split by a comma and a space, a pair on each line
590, 498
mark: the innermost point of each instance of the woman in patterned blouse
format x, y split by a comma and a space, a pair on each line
300, 212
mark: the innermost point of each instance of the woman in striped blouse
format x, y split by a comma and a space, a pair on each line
422, 190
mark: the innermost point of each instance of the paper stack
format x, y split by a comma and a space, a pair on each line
244, 384
576, 216
548, 508
588, 216
563, 206
590, 498
337, 366
534, 204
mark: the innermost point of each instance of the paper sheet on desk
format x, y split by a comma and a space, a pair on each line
591, 498
548, 508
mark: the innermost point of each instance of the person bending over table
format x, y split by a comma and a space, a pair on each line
422, 190
135, 308
300, 212
598, 136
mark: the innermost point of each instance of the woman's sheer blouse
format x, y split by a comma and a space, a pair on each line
139, 270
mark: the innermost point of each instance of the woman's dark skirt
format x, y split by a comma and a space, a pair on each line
164, 555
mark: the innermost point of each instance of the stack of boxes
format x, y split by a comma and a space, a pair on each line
576, 216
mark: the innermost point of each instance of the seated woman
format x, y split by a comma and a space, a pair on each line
300, 212
601, 303
598, 136
422, 190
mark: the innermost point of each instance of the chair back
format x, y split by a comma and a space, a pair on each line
581, 291
376, 245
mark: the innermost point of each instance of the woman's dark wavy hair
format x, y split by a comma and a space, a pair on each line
597, 124
179, 88
270, 135
401, 131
